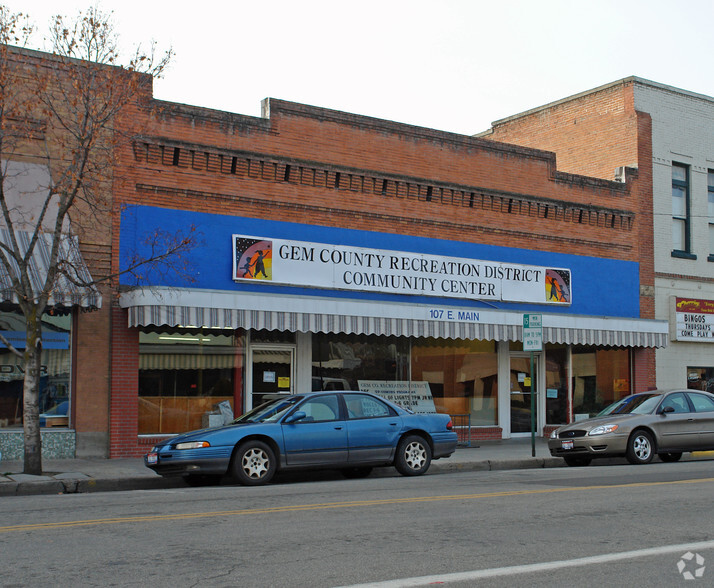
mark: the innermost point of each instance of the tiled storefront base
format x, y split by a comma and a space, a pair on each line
55, 444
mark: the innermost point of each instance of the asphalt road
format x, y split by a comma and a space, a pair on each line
610, 525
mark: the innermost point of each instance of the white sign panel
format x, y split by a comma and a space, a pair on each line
416, 396
318, 265
694, 320
532, 332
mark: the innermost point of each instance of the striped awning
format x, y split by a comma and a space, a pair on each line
65, 292
231, 310
185, 361
227, 318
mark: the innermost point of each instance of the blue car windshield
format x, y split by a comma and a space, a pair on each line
637, 404
270, 411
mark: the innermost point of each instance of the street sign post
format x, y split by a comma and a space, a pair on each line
533, 341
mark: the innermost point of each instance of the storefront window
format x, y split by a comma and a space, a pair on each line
462, 376
185, 377
54, 371
341, 361
556, 385
700, 378
600, 377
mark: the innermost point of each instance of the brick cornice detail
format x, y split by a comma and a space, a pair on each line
349, 215
271, 168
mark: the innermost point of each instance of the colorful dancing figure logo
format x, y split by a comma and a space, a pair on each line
557, 286
254, 259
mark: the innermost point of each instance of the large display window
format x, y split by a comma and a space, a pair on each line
462, 375
455, 377
600, 377
185, 377
346, 362
556, 385
54, 371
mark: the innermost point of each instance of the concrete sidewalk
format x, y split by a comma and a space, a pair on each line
66, 476
103, 475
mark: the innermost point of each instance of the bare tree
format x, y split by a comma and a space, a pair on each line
60, 110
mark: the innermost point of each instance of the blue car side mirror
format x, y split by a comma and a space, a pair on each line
296, 416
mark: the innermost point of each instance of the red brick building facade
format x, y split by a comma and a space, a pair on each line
154, 360
302, 164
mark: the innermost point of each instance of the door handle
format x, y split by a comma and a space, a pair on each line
338, 428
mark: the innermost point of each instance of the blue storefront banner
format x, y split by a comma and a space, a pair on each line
599, 286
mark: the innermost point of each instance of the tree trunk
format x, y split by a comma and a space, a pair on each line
31, 398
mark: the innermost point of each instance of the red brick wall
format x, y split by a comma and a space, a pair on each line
486, 433
591, 134
368, 150
91, 369
124, 408
643, 368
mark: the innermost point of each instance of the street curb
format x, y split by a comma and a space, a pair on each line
86, 485
499, 464
118, 484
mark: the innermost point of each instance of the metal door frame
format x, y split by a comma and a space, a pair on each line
291, 347
539, 366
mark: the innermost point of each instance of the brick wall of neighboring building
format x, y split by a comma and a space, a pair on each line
90, 380
597, 133
592, 133
123, 406
664, 125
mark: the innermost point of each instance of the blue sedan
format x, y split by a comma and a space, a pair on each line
350, 431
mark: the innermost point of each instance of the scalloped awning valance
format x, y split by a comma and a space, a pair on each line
232, 310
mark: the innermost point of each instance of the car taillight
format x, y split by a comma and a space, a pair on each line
449, 426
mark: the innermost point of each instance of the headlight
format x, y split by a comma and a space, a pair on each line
554, 434
193, 445
603, 430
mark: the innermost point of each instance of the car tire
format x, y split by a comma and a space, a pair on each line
577, 462
640, 448
668, 457
254, 463
197, 480
356, 473
413, 456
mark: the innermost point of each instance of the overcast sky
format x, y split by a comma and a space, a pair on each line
452, 65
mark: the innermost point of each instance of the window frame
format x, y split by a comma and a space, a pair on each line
710, 214
686, 252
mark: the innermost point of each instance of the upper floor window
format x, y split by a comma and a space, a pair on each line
710, 211
680, 209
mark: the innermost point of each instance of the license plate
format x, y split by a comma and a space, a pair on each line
152, 458
567, 444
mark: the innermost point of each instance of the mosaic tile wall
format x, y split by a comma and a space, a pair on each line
55, 445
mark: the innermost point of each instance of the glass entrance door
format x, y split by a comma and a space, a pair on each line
272, 371
523, 382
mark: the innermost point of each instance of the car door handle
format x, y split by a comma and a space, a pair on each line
338, 428
393, 424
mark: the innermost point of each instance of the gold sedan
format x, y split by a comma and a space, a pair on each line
640, 426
